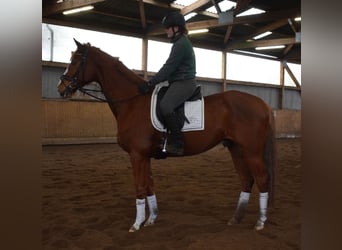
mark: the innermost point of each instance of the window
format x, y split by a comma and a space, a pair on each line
296, 70
158, 52
128, 49
252, 69
208, 63
57, 45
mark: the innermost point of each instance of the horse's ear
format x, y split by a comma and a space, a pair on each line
78, 43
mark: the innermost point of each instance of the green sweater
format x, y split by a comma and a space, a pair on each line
181, 64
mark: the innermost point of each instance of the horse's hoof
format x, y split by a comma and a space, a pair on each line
259, 225
149, 223
232, 222
134, 228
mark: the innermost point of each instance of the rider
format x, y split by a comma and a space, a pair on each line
179, 70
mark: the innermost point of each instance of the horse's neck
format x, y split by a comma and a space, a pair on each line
118, 82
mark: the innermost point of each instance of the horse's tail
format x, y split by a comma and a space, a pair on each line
270, 156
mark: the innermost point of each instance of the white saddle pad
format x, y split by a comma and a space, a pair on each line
194, 112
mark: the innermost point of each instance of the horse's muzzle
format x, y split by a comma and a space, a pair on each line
61, 89
65, 90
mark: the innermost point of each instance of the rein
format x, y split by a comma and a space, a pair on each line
86, 91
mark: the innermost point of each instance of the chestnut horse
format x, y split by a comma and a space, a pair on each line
242, 122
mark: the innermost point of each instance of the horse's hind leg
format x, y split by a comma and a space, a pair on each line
255, 163
261, 177
250, 167
247, 181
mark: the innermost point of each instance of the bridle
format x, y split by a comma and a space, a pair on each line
75, 85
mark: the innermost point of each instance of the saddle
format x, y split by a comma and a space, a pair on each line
197, 95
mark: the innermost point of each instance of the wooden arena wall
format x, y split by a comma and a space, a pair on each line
288, 123
77, 122
69, 122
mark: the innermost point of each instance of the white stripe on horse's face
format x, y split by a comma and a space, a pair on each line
66, 71
60, 81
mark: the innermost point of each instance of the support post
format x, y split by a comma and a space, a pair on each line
282, 86
144, 56
224, 71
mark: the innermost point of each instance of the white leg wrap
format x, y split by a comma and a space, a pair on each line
240, 208
140, 217
153, 209
263, 199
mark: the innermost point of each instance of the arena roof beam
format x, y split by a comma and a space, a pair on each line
193, 7
263, 17
210, 23
177, 7
217, 7
241, 5
262, 43
287, 49
293, 77
269, 27
142, 14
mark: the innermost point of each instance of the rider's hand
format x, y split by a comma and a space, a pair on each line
145, 88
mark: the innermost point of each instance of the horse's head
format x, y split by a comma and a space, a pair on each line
74, 76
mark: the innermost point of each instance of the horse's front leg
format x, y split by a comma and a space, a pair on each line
144, 191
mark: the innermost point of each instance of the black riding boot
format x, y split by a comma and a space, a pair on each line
175, 143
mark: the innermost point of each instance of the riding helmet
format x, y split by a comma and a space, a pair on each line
173, 19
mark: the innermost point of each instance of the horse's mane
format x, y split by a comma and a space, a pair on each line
127, 72
120, 66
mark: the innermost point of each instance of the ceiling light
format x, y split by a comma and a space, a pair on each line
198, 31
184, 2
298, 19
270, 47
77, 10
267, 33
251, 11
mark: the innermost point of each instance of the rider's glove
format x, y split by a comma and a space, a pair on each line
145, 88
